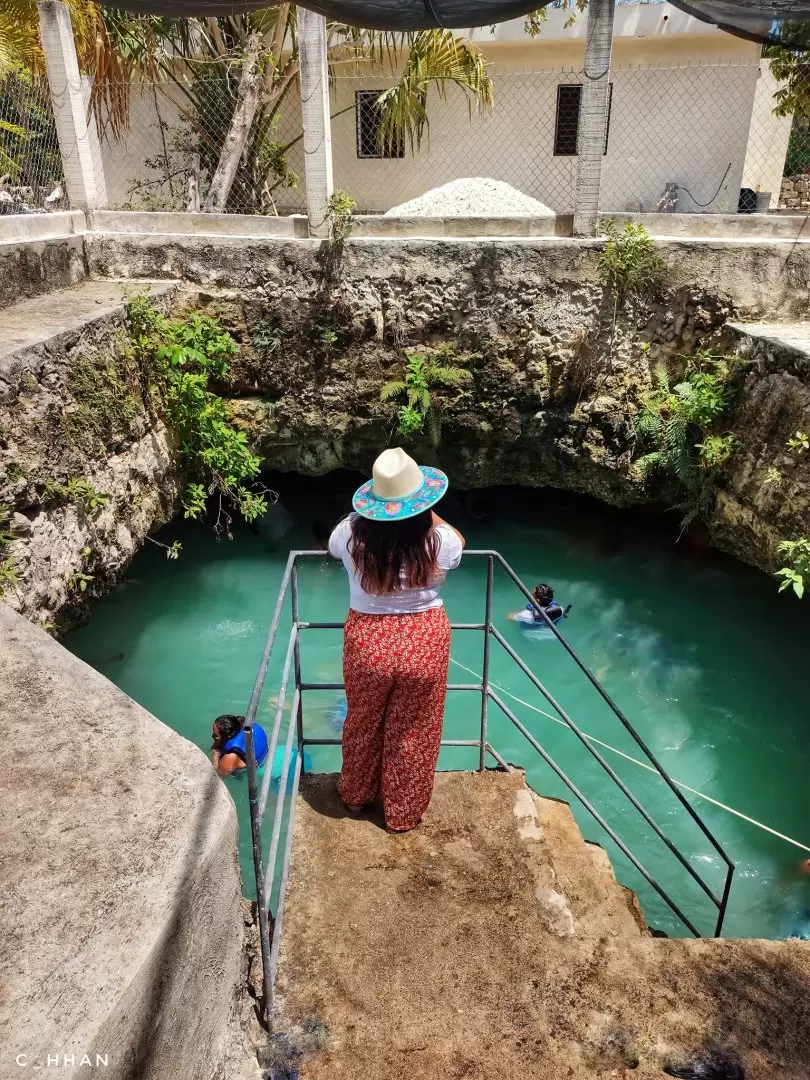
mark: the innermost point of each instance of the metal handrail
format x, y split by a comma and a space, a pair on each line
258, 795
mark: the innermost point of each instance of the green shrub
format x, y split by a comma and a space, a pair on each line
676, 425
185, 355
76, 490
629, 265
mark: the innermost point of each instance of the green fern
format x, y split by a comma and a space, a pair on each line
673, 429
425, 376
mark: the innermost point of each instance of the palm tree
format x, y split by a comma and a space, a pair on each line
245, 65
20, 50
264, 45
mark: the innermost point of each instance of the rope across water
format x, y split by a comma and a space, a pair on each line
641, 764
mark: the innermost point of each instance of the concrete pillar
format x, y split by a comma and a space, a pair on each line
593, 115
69, 110
314, 80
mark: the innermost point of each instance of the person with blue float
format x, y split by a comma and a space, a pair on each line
228, 752
543, 598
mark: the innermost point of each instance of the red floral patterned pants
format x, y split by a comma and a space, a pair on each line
395, 670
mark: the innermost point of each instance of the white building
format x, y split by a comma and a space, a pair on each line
691, 122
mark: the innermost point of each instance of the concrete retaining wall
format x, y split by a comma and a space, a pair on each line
121, 891
15, 230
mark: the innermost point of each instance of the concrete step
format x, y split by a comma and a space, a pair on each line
63, 311
792, 337
584, 876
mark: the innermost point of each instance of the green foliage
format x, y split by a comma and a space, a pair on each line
797, 570
29, 152
76, 490
78, 581
675, 425
8, 568
107, 398
715, 450
266, 336
800, 443
424, 378
187, 354
14, 472
629, 265
773, 477
340, 207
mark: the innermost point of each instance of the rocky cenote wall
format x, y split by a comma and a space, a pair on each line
553, 397
555, 386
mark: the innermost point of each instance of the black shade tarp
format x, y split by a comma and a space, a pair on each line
773, 22
374, 14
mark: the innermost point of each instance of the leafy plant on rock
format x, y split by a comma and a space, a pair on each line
8, 568
187, 354
424, 378
677, 428
629, 266
76, 490
797, 571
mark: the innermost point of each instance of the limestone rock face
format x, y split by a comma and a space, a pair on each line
764, 496
121, 891
75, 409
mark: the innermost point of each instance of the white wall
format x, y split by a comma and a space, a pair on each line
681, 124
124, 159
668, 125
768, 140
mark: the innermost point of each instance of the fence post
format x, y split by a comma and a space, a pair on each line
593, 115
69, 105
314, 81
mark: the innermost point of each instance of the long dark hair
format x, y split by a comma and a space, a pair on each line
392, 555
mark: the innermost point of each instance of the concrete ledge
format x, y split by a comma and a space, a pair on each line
121, 890
135, 221
29, 266
16, 227
722, 226
378, 225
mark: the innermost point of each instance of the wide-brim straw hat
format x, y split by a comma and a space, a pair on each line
399, 488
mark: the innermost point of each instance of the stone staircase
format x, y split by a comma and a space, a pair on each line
494, 942
575, 876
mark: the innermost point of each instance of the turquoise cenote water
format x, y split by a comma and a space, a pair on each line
706, 659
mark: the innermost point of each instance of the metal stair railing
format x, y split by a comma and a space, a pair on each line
258, 793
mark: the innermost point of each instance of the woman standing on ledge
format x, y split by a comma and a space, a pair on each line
396, 648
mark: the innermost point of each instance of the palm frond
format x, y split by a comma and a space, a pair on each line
434, 58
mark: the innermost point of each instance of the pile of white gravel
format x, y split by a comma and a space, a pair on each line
473, 196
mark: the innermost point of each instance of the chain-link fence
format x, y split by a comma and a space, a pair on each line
703, 138
31, 175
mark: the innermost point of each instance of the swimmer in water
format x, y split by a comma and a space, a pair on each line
544, 598
228, 753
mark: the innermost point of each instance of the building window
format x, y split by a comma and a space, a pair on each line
566, 126
369, 143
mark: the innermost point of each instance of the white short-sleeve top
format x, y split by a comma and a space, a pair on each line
404, 601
